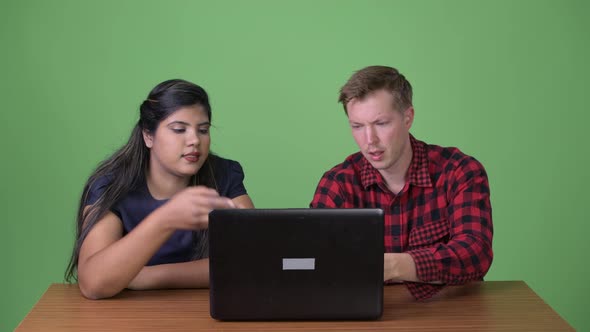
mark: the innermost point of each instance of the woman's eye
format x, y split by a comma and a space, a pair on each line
204, 131
178, 130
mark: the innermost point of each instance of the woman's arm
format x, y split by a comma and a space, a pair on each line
243, 202
109, 261
193, 274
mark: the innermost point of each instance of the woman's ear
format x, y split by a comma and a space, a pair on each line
148, 138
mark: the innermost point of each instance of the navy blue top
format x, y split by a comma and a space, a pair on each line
138, 204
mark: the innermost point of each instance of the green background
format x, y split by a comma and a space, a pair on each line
502, 80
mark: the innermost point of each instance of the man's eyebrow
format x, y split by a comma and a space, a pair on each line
372, 122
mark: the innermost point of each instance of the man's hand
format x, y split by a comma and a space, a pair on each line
399, 267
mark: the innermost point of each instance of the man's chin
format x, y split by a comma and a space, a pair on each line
377, 164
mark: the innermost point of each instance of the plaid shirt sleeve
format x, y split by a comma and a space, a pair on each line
467, 255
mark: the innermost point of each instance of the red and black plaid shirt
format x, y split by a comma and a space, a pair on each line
442, 217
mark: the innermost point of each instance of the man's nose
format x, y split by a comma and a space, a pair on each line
371, 135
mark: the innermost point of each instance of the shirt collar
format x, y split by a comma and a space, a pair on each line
418, 174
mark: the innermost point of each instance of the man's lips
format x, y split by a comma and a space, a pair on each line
375, 155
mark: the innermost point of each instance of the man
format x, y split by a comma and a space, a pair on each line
438, 222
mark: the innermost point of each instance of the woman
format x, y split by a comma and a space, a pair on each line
143, 213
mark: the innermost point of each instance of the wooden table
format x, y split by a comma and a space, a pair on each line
482, 306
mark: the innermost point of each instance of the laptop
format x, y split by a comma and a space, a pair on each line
296, 264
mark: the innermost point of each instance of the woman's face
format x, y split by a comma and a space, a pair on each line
180, 144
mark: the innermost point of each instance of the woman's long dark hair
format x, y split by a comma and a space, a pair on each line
126, 168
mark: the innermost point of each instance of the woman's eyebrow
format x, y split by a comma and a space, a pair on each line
188, 124
179, 122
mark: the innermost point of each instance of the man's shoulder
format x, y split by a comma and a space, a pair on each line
450, 158
347, 169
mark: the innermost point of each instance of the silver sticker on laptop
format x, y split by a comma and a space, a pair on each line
298, 263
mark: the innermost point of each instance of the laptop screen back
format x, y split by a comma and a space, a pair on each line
296, 264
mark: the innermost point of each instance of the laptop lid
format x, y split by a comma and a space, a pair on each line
271, 264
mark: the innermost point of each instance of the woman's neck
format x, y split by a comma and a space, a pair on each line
163, 185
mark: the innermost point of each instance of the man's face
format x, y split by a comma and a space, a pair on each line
381, 131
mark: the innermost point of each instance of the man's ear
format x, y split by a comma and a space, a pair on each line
148, 138
409, 117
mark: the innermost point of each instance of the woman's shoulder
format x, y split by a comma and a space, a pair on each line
227, 168
98, 183
225, 163
229, 177
96, 186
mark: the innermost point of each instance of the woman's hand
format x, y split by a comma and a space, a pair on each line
189, 209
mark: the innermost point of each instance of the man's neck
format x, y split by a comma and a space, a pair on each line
396, 176
393, 182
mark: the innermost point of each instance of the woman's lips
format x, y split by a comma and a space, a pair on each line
192, 157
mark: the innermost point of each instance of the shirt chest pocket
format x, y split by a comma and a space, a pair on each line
429, 234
